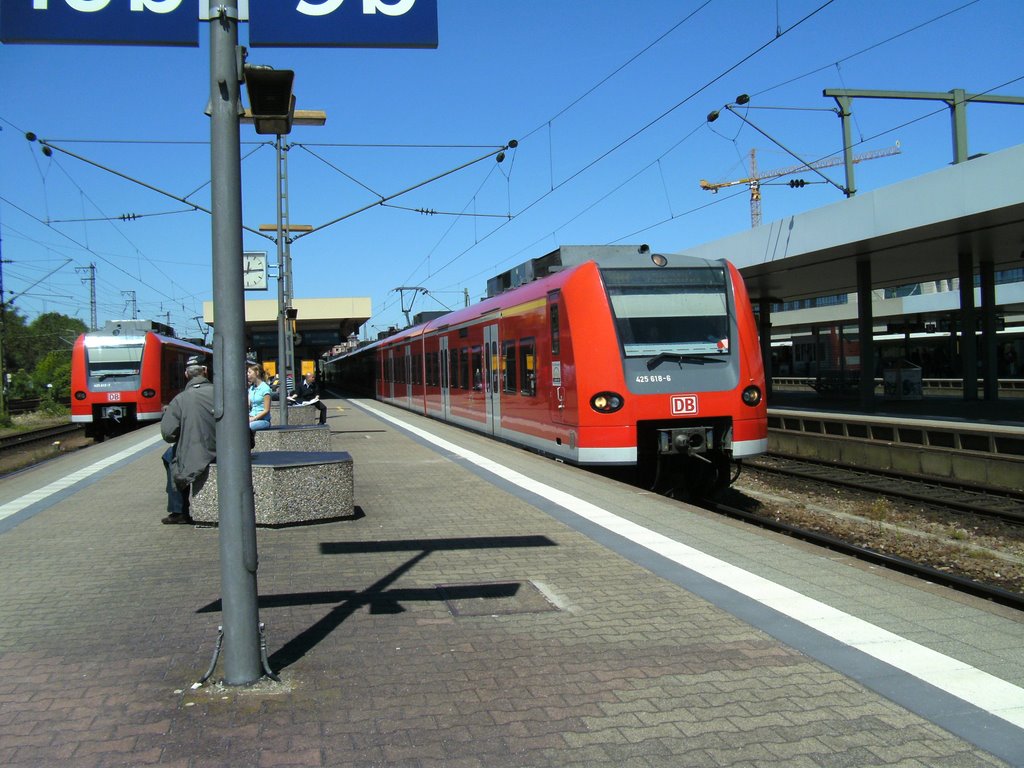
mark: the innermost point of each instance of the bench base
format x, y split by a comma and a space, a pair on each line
289, 487
299, 415
301, 437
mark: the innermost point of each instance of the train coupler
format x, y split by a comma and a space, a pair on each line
688, 441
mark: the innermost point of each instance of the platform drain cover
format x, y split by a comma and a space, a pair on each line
494, 598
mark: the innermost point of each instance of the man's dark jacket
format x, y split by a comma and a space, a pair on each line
188, 421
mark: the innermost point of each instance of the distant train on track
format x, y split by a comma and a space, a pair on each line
125, 374
595, 355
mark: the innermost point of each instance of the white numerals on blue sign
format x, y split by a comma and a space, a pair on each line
91, 6
397, 8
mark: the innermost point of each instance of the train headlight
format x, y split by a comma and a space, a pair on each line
149, 393
606, 402
752, 395
80, 395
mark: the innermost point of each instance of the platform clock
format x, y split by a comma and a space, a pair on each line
254, 271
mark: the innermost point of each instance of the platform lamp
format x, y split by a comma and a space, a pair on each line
272, 111
292, 314
271, 101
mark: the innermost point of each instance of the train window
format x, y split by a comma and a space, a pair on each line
113, 362
464, 368
432, 358
527, 367
556, 341
508, 367
476, 364
417, 369
670, 311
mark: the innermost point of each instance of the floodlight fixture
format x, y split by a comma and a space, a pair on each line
270, 98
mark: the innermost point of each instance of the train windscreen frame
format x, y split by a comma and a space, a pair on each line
675, 311
109, 362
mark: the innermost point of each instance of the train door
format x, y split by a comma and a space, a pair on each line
407, 378
444, 379
556, 400
388, 379
492, 368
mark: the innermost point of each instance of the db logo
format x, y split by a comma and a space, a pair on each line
684, 405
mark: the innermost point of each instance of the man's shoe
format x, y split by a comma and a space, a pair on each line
177, 520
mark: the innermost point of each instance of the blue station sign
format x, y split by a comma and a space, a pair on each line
118, 22
272, 23
344, 24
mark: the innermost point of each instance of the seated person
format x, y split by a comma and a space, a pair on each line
309, 392
259, 398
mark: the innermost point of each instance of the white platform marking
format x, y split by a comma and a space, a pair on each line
986, 692
13, 507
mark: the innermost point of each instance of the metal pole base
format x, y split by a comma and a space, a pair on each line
267, 671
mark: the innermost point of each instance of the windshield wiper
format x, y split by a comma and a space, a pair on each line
657, 360
103, 376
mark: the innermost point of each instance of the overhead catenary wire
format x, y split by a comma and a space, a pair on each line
634, 135
86, 248
650, 124
471, 206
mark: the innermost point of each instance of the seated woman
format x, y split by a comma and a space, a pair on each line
259, 399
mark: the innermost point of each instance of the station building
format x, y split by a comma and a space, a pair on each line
320, 326
927, 274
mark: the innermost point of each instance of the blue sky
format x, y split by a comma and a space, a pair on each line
607, 98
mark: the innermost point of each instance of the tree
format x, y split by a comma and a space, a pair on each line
26, 345
49, 332
52, 375
14, 338
21, 385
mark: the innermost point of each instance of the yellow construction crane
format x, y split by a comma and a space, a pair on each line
756, 177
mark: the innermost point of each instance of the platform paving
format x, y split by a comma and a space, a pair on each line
448, 623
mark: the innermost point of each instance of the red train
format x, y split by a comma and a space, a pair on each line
596, 355
125, 374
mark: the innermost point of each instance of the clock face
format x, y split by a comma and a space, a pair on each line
254, 271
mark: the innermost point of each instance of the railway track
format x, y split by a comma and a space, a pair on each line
839, 522
32, 437
961, 583
985, 502
21, 450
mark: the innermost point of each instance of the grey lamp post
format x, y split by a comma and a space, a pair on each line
272, 111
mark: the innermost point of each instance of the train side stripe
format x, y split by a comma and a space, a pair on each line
982, 690
41, 494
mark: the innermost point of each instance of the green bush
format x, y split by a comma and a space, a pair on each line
50, 407
21, 385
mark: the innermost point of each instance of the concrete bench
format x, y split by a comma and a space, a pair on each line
294, 437
288, 487
302, 414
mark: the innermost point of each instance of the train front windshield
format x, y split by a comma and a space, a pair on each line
120, 364
670, 311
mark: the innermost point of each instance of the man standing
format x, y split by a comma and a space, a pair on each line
309, 393
188, 423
